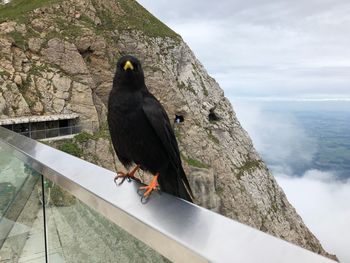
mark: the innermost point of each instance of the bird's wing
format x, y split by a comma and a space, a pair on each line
159, 120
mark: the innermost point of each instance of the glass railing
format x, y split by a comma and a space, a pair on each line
57, 208
22, 235
74, 232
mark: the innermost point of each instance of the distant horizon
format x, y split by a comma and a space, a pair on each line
312, 98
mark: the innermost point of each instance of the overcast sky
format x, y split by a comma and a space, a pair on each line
266, 47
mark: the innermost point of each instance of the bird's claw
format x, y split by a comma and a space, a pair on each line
142, 191
121, 182
120, 175
144, 199
139, 192
145, 192
125, 176
135, 179
148, 189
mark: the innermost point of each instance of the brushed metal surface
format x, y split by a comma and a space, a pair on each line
179, 230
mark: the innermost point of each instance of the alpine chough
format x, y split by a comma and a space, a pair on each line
141, 132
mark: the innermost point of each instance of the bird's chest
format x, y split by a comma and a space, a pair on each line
134, 135
126, 103
131, 122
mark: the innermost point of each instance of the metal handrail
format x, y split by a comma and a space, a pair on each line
181, 231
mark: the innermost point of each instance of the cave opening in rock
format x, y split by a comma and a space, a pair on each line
213, 116
86, 53
179, 118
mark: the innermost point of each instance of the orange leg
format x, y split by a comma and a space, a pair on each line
153, 186
128, 175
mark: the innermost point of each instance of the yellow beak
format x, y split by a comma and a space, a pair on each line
128, 65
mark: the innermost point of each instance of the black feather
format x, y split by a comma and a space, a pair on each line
141, 132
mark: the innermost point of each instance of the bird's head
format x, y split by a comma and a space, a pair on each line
129, 73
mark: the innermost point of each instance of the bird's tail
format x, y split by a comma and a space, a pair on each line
175, 183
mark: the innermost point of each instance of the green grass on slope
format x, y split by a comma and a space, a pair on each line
16, 8
133, 17
139, 17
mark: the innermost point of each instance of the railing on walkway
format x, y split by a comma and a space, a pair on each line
52, 133
47, 133
58, 207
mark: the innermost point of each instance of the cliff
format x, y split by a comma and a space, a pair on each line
59, 57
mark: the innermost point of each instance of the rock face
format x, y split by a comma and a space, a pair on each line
61, 58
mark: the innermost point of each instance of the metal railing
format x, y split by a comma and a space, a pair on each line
180, 231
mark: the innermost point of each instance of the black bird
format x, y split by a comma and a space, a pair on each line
141, 132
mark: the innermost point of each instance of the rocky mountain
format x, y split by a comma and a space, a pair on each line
59, 57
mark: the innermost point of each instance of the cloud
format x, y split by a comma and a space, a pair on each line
323, 203
244, 10
278, 137
320, 199
269, 46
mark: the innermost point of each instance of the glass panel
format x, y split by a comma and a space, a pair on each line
27, 134
52, 125
21, 127
21, 214
76, 233
38, 126
65, 131
39, 134
52, 133
10, 127
63, 123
